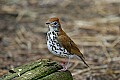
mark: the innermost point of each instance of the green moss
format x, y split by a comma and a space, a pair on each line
41, 69
24, 68
62, 75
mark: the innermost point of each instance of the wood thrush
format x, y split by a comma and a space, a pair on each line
59, 43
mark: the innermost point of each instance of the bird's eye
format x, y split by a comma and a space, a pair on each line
55, 23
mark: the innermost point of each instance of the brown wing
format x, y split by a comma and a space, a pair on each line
70, 46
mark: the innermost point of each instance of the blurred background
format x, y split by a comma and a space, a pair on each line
94, 25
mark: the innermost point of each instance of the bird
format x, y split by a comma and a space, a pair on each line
59, 43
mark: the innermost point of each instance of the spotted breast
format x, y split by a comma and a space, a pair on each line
54, 46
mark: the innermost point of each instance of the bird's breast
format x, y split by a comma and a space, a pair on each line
54, 46
52, 36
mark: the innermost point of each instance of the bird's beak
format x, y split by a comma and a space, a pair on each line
47, 23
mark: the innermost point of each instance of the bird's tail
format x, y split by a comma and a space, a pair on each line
82, 58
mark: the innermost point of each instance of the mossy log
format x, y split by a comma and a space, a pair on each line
38, 70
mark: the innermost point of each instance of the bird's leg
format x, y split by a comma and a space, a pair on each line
68, 62
65, 66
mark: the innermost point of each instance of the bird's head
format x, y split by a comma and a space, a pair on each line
53, 24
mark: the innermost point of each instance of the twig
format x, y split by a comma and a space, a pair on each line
88, 69
115, 42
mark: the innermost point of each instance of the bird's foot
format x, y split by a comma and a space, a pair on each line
64, 67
